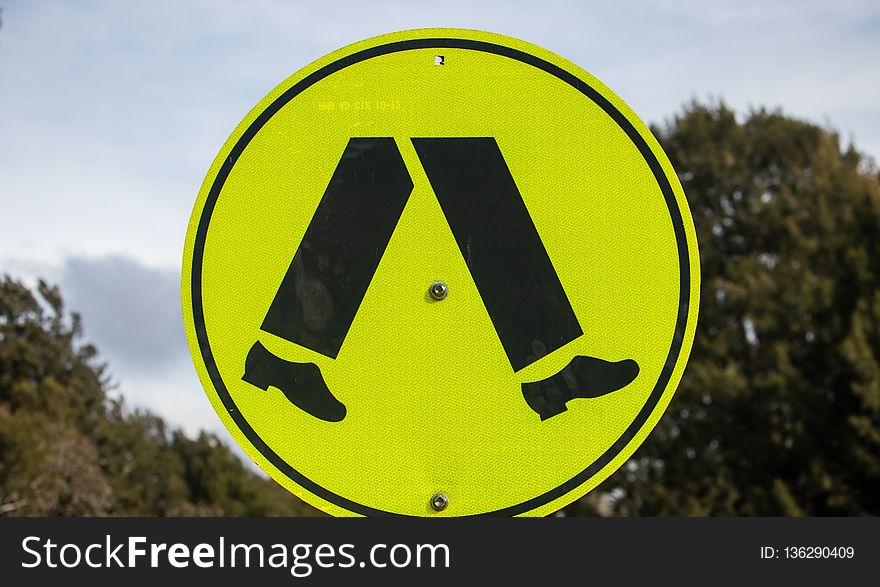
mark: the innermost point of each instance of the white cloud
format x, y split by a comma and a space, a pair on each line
132, 311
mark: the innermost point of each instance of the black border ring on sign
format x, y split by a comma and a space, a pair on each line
472, 45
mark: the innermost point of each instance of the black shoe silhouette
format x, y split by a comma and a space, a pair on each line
301, 383
582, 377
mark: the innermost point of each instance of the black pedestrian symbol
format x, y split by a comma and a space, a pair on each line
325, 283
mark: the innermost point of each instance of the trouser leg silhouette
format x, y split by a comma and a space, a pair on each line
323, 287
338, 256
512, 270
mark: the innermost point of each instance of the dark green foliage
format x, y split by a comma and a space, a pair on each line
779, 409
66, 449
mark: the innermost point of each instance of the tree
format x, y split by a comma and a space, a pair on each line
66, 449
778, 412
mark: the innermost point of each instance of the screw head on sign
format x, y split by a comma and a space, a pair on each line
439, 290
439, 501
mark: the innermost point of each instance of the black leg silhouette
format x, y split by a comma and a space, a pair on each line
331, 270
342, 246
512, 270
500, 245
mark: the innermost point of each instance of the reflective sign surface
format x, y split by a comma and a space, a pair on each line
487, 165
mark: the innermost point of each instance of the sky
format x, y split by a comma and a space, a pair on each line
111, 113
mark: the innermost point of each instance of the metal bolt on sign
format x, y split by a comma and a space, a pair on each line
439, 290
439, 502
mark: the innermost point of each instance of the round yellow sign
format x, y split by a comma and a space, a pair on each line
440, 273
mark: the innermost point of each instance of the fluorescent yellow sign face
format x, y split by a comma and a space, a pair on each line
440, 262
